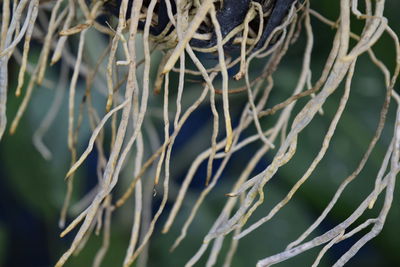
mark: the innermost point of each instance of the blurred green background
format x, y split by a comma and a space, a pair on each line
32, 189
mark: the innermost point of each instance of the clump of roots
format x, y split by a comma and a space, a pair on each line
121, 74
